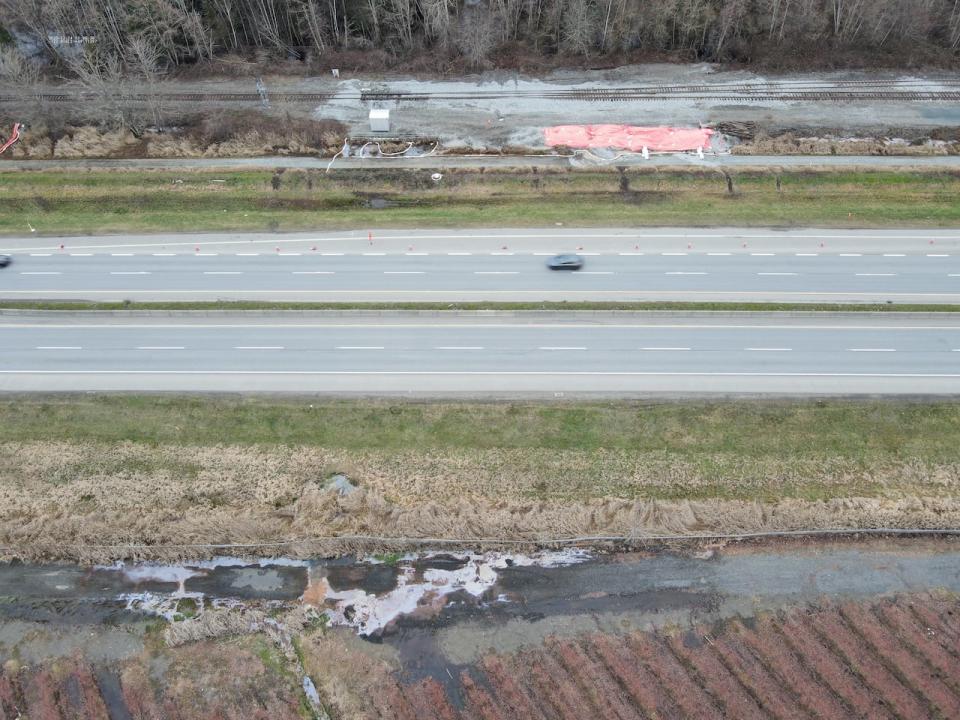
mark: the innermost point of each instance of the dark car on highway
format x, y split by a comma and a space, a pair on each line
5, 260
565, 262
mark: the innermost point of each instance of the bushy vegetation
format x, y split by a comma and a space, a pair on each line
145, 34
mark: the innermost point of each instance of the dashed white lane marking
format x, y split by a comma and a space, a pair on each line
288, 254
718, 254
871, 350
937, 255
373, 254
258, 347
121, 254
459, 347
664, 348
160, 347
39, 254
248, 254
776, 273
894, 255
633, 254
495, 272
677, 254
205, 254
464, 253
41, 272
851, 254
501, 253
81, 254
560, 347
807, 254
331, 254
875, 274
313, 272
59, 347
766, 349
130, 272
167, 254
762, 254
403, 272
411, 254
359, 347
222, 272
684, 273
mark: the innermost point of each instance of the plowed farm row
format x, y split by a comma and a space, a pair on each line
893, 659
897, 658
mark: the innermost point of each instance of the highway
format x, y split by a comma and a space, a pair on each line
483, 353
906, 266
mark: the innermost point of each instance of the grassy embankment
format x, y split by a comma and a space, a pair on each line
129, 470
57, 202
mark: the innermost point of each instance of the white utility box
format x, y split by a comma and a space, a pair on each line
379, 120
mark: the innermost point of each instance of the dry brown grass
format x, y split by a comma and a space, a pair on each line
56, 497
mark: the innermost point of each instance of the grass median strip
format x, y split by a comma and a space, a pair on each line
76, 470
95, 201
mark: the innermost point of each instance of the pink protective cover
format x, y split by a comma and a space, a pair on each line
629, 137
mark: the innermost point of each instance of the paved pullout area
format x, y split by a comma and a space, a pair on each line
813, 265
421, 353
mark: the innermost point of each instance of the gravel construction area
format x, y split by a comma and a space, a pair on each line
507, 111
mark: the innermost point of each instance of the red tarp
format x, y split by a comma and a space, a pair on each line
629, 137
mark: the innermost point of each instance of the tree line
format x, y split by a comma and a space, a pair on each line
147, 36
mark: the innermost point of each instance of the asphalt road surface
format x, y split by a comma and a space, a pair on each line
618, 353
495, 265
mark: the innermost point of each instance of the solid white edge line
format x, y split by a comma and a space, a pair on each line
493, 373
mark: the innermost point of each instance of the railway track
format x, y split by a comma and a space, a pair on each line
841, 91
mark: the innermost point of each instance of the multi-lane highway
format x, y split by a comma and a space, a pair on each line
468, 353
751, 265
